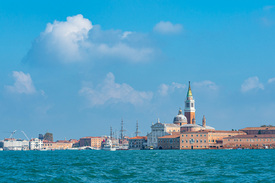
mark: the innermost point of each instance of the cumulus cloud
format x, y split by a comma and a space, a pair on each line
251, 83
210, 85
165, 89
167, 27
76, 39
271, 80
110, 91
23, 83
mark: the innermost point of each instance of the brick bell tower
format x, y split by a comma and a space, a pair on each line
189, 110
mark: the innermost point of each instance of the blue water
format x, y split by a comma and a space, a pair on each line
138, 166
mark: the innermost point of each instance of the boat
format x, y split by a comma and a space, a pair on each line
108, 146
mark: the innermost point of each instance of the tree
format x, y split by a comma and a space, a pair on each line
48, 136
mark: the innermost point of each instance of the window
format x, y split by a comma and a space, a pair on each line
191, 135
204, 140
200, 141
186, 135
192, 105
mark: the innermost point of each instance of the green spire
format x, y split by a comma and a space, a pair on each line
189, 93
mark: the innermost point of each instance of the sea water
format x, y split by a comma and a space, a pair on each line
138, 166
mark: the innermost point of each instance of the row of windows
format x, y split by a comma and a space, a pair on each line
252, 140
197, 141
47, 144
169, 140
195, 135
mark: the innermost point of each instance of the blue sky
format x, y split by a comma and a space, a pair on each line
77, 68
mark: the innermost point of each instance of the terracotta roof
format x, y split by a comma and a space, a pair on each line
169, 136
215, 131
252, 136
225, 131
259, 128
139, 137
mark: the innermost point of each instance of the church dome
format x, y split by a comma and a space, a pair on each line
180, 118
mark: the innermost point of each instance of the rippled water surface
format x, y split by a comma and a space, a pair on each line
138, 166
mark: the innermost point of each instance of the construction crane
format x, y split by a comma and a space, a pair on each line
12, 133
25, 135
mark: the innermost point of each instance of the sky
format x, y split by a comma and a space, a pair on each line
76, 68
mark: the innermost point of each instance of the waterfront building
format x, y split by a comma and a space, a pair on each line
94, 142
169, 142
259, 130
205, 139
259, 141
36, 144
11, 144
158, 130
137, 142
58, 145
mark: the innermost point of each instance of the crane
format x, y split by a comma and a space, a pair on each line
12, 133
25, 135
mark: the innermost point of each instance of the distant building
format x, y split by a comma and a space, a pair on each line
158, 130
169, 142
36, 144
41, 137
258, 130
205, 139
137, 142
259, 141
11, 144
58, 145
94, 142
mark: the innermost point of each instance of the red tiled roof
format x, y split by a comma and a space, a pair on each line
169, 136
214, 131
252, 136
259, 128
139, 137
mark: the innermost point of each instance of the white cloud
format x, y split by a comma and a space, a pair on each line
110, 91
210, 85
167, 27
76, 39
271, 80
23, 83
165, 89
251, 84
268, 8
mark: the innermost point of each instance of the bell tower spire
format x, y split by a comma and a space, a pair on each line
189, 110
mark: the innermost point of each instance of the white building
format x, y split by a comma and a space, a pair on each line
160, 129
36, 144
14, 144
